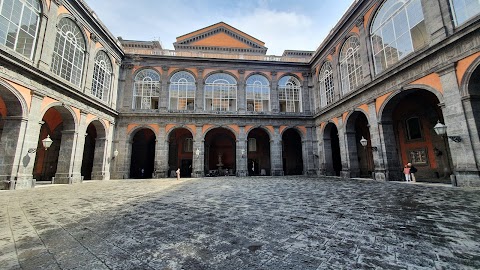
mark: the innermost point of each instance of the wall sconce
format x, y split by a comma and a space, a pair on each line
47, 142
364, 143
243, 153
197, 152
441, 130
115, 154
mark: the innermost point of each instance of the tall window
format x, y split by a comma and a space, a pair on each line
258, 93
19, 20
463, 10
327, 87
289, 94
350, 65
69, 51
102, 76
397, 30
146, 90
182, 91
220, 92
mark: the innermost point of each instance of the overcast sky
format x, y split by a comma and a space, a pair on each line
281, 24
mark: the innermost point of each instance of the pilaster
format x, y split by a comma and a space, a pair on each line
276, 153
199, 100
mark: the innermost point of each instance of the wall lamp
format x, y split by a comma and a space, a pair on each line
47, 142
441, 130
364, 143
115, 154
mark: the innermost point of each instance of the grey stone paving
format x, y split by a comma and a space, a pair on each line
240, 223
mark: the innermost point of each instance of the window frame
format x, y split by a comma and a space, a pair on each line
327, 93
153, 87
189, 90
102, 77
348, 53
253, 85
221, 89
290, 89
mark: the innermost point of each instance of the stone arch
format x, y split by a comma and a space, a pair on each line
258, 73
220, 153
360, 159
258, 151
292, 142
235, 133
406, 121
270, 135
220, 71
332, 160
472, 74
170, 75
78, 24
10, 95
94, 150
300, 133
142, 145
180, 151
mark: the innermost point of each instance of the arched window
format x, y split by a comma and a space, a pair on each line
463, 10
69, 51
258, 93
289, 94
146, 90
182, 91
397, 30
327, 87
19, 21
220, 93
350, 65
102, 76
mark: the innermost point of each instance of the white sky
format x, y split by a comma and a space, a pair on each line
281, 24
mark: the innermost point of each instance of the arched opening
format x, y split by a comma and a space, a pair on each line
258, 152
58, 123
331, 144
292, 153
220, 152
143, 154
11, 113
407, 123
474, 92
180, 152
361, 158
93, 152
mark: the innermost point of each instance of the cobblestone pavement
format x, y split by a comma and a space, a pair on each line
240, 223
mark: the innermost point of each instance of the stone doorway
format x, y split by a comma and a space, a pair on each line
292, 152
143, 154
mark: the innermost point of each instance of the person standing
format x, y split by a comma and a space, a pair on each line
178, 174
413, 170
406, 172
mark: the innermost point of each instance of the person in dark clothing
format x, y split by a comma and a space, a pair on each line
413, 170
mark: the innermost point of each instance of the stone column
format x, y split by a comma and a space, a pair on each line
125, 87
308, 154
79, 148
352, 152
365, 52
163, 98
389, 150
199, 100
342, 136
10, 146
30, 140
198, 153
375, 140
274, 105
161, 154
89, 58
108, 152
121, 164
276, 153
434, 21
241, 94
446, 12
462, 153
241, 160
65, 157
306, 101
337, 81
48, 36
98, 157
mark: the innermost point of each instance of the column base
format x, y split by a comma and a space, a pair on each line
98, 176
62, 178
24, 182
277, 173
197, 174
242, 173
345, 174
466, 179
160, 174
394, 175
311, 173
379, 175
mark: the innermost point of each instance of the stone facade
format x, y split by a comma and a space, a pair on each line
393, 108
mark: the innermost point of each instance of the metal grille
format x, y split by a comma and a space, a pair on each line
258, 93
69, 51
350, 65
102, 76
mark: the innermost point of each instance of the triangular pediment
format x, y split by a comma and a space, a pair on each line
220, 37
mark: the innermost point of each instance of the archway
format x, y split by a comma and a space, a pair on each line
59, 124
11, 112
258, 152
220, 152
360, 158
180, 151
143, 154
331, 146
474, 92
292, 152
93, 152
407, 122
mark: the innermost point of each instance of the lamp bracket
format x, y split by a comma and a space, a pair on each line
456, 139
